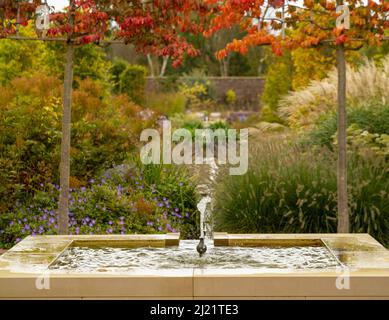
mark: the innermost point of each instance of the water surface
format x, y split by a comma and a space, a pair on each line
84, 259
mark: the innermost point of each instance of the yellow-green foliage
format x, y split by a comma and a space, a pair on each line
89, 61
180, 119
278, 81
18, 57
269, 115
315, 64
269, 127
116, 71
133, 82
372, 118
364, 142
21, 58
230, 97
310, 64
302, 109
166, 103
197, 95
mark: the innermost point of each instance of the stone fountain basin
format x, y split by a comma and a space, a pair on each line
25, 271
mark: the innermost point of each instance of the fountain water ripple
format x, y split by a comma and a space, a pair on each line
106, 259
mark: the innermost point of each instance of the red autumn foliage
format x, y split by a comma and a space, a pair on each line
154, 27
306, 24
9, 13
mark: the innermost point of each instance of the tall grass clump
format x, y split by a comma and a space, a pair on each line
291, 190
367, 85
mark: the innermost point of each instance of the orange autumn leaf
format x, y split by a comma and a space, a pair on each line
305, 27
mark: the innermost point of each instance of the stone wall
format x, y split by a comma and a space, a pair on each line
248, 90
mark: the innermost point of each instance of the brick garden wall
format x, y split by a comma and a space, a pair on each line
248, 90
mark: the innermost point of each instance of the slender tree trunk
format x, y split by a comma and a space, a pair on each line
224, 67
164, 66
343, 214
221, 68
65, 145
151, 65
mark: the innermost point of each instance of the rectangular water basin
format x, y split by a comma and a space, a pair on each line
83, 258
255, 266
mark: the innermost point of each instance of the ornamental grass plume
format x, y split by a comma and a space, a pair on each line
369, 83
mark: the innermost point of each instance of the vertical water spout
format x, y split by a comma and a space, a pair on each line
202, 207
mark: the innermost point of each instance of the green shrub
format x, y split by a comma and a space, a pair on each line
105, 129
127, 199
90, 61
116, 71
373, 118
219, 125
169, 83
196, 95
192, 126
278, 81
364, 142
166, 103
268, 115
292, 190
29, 137
133, 82
230, 97
199, 91
179, 120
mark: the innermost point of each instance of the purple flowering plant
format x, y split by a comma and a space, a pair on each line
140, 199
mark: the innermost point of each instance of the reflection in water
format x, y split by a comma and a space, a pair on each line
84, 259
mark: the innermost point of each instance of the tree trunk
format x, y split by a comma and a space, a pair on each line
164, 66
151, 65
65, 145
343, 215
224, 67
